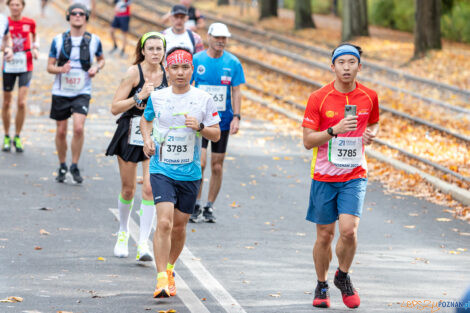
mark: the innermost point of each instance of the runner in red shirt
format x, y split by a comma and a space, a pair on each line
122, 15
339, 120
23, 32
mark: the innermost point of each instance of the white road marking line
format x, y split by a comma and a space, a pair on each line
189, 299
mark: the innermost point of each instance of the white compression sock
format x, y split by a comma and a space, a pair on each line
125, 208
147, 214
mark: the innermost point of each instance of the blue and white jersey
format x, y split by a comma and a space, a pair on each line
3, 26
77, 81
217, 76
177, 147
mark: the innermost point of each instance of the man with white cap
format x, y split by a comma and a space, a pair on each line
220, 73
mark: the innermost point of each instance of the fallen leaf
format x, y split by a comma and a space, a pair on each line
197, 259
193, 230
252, 197
234, 205
249, 247
464, 234
64, 312
287, 158
101, 259
307, 292
410, 226
276, 158
462, 249
44, 232
12, 299
413, 214
203, 299
301, 234
369, 209
37, 248
443, 219
275, 295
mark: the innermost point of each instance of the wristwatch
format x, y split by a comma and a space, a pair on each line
330, 132
137, 100
237, 115
201, 127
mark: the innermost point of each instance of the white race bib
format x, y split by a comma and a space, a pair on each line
135, 136
219, 95
345, 152
178, 148
73, 81
18, 64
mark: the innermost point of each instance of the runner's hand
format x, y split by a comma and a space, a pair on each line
234, 126
347, 124
35, 53
66, 68
8, 54
92, 71
368, 136
147, 89
191, 122
149, 147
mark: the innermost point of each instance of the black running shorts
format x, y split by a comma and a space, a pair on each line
63, 107
219, 146
9, 80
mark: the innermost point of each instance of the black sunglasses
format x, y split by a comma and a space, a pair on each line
77, 14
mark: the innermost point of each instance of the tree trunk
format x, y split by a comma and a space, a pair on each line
222, 2
303, 14
427, 26
267, 8
355, 21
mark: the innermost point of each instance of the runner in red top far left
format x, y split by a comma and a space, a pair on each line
25, 48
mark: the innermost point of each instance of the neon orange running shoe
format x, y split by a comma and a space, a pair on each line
161, 291
171, 282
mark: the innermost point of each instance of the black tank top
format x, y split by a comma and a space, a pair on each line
135, 111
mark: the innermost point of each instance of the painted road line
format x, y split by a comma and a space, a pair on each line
189, 299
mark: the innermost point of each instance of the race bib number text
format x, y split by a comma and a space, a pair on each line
73, 81
345, 152
219, 95
18, 64
178, 148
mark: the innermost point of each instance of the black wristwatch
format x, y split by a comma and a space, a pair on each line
238, 115
330, 132
201, 127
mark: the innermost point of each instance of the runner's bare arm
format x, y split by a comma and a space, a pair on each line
211, 133
237, 103
7, 47
313, 138
121, 103
370, 133
97, 67
52, 68
35, 49
146, 129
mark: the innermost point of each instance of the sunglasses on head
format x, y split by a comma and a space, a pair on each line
77, 14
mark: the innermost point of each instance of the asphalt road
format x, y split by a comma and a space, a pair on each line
256, 258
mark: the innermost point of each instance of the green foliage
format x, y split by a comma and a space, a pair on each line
455, 25
396, 14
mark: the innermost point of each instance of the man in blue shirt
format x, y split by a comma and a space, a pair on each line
220, 73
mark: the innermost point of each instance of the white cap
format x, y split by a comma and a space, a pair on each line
218, 30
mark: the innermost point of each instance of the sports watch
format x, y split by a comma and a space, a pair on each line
137, 100
238, 115
330, 132
201, 127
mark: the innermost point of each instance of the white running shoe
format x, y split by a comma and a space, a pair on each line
120, 249
143, 253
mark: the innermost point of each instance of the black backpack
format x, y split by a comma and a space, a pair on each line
64, 55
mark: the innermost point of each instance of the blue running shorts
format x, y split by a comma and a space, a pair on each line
330, 199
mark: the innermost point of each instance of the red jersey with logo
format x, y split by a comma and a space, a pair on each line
325, 108
122, 7
20, 34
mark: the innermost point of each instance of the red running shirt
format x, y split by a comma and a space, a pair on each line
20, 34
325, 108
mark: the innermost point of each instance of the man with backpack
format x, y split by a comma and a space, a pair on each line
71, 61
178, 35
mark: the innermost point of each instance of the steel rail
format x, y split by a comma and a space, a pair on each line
379, 141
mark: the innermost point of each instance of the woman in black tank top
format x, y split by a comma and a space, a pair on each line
146, 75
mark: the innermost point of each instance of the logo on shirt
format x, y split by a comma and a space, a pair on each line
26, 28
330, 114
201, 69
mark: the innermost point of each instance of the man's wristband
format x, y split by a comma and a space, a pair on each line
237, 115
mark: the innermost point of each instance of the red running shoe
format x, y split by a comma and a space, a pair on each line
322, 297
350, 296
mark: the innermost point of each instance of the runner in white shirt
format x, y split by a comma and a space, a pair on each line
71, 60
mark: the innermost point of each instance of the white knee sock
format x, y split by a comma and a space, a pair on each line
147, 214
125, 208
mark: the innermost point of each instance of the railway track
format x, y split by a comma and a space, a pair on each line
152, 24
309, 55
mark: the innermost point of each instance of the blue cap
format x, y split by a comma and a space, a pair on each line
346, 49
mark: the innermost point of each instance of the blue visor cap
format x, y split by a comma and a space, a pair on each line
346, 49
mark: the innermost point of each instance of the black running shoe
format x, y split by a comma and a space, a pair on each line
61, 172
322, 297
76, 175
197, 214
208, 215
